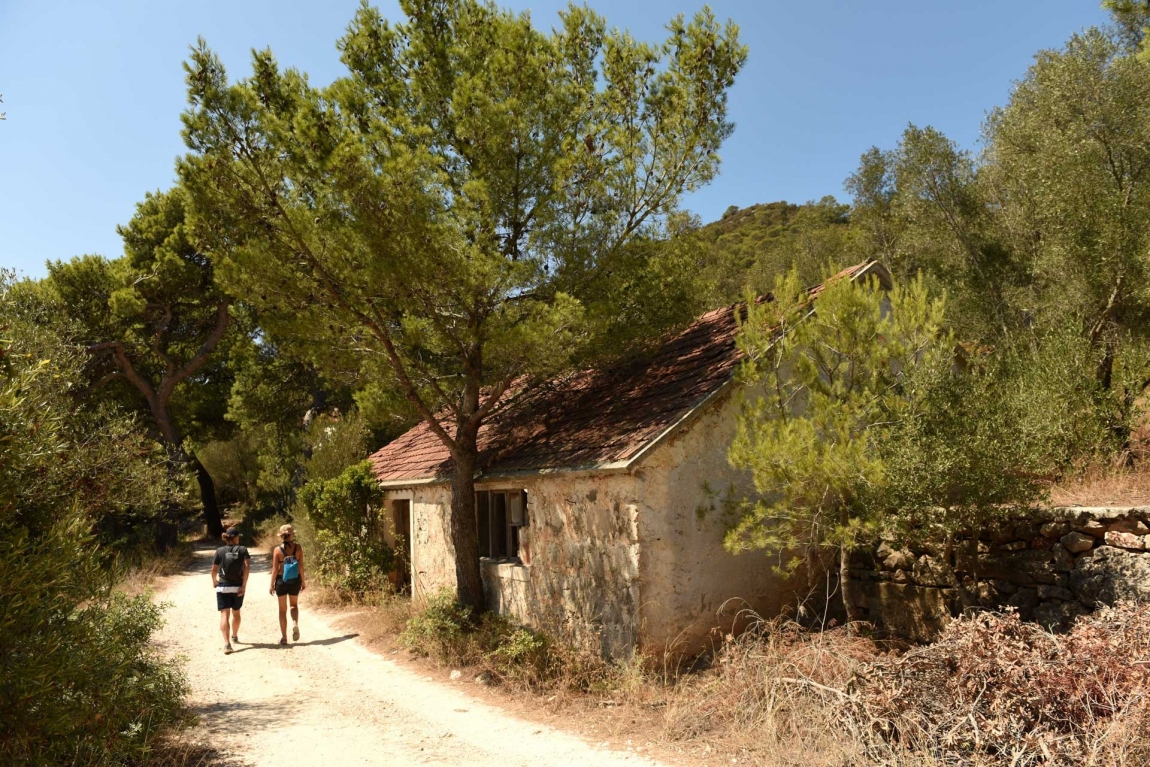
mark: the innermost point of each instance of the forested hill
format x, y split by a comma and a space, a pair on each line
749, 246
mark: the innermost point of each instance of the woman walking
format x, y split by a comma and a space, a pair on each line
230, 570
288, 580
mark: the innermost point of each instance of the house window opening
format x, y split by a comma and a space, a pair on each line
499, 515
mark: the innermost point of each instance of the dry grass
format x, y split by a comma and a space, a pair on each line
991, 691
1104, 486
182, 748
142, 574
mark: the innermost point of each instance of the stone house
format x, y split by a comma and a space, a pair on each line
599, 504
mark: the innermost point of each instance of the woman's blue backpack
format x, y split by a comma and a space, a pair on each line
291, 567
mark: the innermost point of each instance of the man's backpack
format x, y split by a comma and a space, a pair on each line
232, 566
291, 567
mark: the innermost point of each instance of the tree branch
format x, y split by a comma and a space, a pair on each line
168, 385
328, 283
126, 368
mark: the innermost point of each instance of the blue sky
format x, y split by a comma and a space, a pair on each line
93, 91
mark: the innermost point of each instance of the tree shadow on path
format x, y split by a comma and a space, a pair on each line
276, 646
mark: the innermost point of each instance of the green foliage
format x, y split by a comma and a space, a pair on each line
81, 684
830, 376
1131, 20
438, 629
159, 302
336, 443
1048, 226
923, 209
1068, 152
347, 514
750, 247
974, 442
868, 418
153, 322
508, 233
456, 211
63, 453
520, 648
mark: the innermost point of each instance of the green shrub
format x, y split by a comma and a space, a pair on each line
81, 683
451, 634
350, 554
441, 629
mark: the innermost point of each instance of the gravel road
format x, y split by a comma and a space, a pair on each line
326, 700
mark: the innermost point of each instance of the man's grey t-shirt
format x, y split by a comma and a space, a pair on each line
223, 585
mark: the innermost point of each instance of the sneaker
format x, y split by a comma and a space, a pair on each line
283, 640
236, 639
228, 649
295, 633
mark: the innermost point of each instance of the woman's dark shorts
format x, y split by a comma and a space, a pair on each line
228, 601
284, 588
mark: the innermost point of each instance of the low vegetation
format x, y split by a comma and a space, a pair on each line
494, 647
991, 690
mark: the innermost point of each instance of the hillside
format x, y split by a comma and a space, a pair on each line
750, 246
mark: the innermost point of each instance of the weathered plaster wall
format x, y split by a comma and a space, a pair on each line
1051, 566
686, 574
433, 556
579, 579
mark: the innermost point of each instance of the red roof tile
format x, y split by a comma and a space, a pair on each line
587, 418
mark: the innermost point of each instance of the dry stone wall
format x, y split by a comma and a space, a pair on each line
1051, 567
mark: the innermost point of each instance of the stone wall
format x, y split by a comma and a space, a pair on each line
432, 555
1051, 566
580, 576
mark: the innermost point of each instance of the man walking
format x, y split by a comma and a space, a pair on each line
230, 579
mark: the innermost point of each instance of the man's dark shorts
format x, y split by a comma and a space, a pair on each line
229, 601
284, 588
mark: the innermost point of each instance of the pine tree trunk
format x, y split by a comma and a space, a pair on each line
208, 499
464, 534
180, 461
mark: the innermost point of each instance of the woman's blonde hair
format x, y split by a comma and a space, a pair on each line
286, 530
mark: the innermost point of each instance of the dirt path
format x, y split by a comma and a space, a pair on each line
327, 700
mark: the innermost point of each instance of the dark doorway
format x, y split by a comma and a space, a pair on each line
401, 519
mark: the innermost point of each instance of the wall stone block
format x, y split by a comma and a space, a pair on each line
1132, 526
1076, 542
1124, 540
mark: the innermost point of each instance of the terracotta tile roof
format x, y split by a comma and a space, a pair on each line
588, 418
